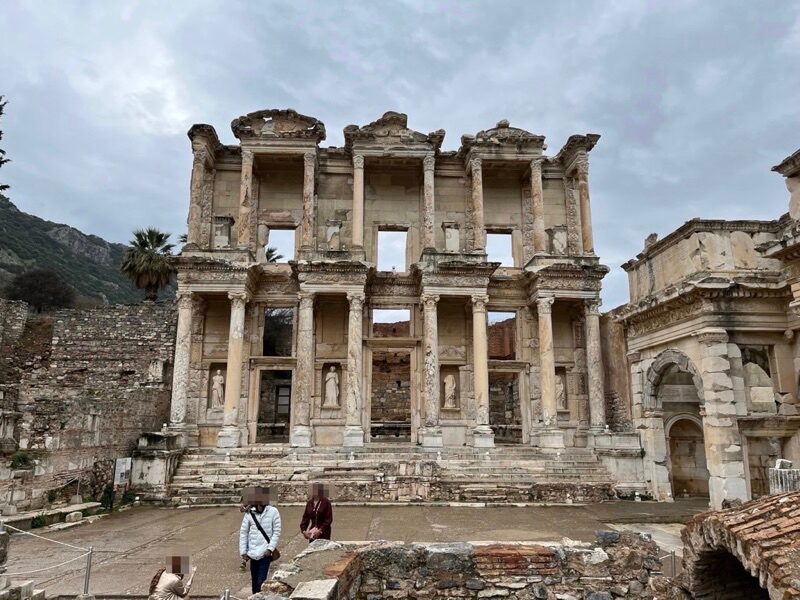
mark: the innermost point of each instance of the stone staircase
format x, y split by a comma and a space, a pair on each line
392, 472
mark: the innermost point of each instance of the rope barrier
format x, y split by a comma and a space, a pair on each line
44, 538
46, 568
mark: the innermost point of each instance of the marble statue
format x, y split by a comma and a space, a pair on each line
561, 395
218, 390
450, 391
331, 399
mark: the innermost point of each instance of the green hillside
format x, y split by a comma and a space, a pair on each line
89, 263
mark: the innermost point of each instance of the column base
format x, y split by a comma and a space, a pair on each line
483, 437
551, 438
229, 437
431, 437
353, 436
300, 436
190, 434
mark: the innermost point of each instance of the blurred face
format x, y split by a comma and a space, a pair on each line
260, 498
179, 565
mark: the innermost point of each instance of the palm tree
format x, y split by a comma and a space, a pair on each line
271, 254
147, 261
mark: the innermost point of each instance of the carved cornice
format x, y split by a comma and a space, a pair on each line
576, 145
204, 132
789, 166
275, 123
501, 136
391, 131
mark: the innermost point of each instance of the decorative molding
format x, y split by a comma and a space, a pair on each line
278, 124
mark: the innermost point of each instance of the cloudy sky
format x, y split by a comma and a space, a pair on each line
695, 100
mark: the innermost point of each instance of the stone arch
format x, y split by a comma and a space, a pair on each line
659, 368
726, 554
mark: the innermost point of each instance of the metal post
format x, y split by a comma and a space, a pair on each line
88, 571
227, 594
672, 559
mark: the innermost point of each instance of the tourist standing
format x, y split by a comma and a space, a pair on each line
259, 536
318, 515
168, 583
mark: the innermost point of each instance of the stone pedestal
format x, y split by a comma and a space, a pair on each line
431, 437
353, 436
229, 436
300, 436
551, 437
483, 437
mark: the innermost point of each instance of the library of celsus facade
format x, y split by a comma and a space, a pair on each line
484, 329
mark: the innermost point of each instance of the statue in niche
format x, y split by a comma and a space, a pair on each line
450, 391
263, 240
332, 235
331, 399
561, 394
218, 390
452, 243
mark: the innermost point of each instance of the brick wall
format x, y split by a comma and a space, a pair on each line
391, 387
107, 379
501, 337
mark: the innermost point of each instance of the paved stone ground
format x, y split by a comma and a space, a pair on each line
129, 546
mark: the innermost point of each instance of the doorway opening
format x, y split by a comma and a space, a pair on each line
505, 416
275, 406
687, 457
390, 404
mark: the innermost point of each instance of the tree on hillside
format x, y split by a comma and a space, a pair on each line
147, 261
44, 289
3, 159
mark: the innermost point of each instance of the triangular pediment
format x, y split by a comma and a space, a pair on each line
391, 130
276, 123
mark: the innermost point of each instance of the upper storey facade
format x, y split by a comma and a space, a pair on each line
386, 177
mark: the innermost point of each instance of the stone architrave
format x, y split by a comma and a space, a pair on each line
304, 373
483, 436
428, 215
594, 365
307, 224
537, 204
196, 199
723, 443
246, 202
180, 372
552, 436
354, 432
478, 222
358, 201
431, 434
230, 434
582, 172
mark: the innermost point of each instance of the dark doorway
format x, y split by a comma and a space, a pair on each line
391, 396
275, 405
505, 417
719, 575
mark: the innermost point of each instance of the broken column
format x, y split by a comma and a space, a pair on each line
431, 434
300, 435
482, 435
478, 225
550, 436
230, 435
353, 431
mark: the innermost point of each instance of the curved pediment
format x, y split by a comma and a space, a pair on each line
501, 135
392, 130
273, 123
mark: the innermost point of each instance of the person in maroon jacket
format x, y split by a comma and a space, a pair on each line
318, 515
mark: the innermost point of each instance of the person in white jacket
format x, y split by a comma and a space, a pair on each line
256, 546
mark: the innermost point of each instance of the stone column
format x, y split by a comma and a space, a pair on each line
551, 436
537, 203
180, 371
574, 235
478, 224
582, 171
431, 434
358, 201
246, 202
195, 220
307, 224
482, 436
353, 431
303, 373
428, 215
230, 434
594, 366
723, 442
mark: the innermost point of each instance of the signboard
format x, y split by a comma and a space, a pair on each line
122, 472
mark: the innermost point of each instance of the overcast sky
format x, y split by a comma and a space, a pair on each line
695, 100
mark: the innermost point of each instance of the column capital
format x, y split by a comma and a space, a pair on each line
429, 162
479, 302
358, 161
306, 299
582, 165
544, 305
201, 156
536, 164
356, 300
592, 306
475, 163
247, 155
310, 159
184, 298
235, 297
429, 301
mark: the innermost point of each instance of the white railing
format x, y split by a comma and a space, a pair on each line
783, 478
